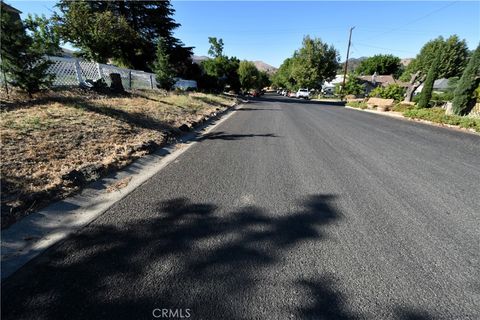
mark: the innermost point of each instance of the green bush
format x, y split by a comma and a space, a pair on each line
402, 107
392, 91
439, 99
438, 115
357, 104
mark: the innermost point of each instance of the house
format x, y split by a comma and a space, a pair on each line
373, 81
8, 8
440, 85
328, 87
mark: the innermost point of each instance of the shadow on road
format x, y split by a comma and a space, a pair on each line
220, 135
186, 255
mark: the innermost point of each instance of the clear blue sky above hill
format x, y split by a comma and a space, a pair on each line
272, 30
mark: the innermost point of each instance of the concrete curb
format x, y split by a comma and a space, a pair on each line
27, 238
400, 116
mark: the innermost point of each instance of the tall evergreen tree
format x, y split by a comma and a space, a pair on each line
21, 57
426, 94
464, 99
162, 67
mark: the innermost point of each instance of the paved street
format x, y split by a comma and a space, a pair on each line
289, 209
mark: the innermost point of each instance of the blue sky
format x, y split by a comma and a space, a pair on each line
272, 30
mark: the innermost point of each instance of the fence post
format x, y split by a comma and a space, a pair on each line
99, 69
78, 70
151, 81
130, 79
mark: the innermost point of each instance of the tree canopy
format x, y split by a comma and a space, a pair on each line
126, 31
381, 64
309, 66
453, 54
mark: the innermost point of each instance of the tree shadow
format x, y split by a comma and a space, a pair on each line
220, 135
181, 255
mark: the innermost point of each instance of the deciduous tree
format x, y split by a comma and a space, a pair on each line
381, 64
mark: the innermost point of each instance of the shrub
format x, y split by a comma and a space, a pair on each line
357, 104
392, 91
402, 107
438, 115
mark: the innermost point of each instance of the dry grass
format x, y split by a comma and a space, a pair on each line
45, 138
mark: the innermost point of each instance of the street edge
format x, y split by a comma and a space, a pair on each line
29, 237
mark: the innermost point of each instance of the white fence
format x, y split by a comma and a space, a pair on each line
72, 72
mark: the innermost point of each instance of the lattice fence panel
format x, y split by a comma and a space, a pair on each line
68, 70
124, 74
64, 71
89, 70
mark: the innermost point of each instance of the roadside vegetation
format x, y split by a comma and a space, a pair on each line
56, 143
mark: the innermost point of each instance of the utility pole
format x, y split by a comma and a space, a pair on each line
346, 61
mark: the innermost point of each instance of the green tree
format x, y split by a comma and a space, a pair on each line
381, 64
216, 47
426, 93
263, 80
163, 69
283, 77
453, 54
130, 29
44, 33
352, 86
248, 75
464, 96
100, 35
313, 63
221, 71
22, 57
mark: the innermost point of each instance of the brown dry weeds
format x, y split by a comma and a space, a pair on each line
45, 138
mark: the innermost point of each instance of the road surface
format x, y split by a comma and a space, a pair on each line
288, 210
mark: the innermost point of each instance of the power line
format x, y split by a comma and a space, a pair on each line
413, 21
383, 48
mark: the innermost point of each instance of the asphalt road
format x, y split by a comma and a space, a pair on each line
289, 209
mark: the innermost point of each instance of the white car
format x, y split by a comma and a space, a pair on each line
303, 93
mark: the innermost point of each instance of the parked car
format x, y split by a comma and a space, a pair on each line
284, 93
303, 93
292, 94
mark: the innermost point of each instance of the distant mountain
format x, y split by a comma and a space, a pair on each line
262, 66
353, 63
405, 62
199, 59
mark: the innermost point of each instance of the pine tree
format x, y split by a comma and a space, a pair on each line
21, 59
426, 94
162, 67
464, 100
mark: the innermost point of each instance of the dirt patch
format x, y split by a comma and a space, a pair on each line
62, 140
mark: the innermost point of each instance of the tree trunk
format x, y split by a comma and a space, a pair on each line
412, 86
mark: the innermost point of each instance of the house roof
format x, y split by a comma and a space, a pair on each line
383, 80
440, 84
9, 8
